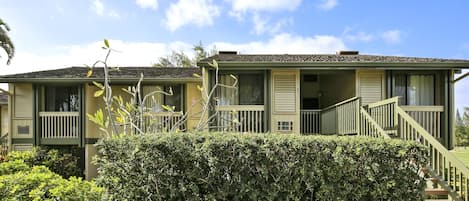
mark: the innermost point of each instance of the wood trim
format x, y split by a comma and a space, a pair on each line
438, 108
240, 108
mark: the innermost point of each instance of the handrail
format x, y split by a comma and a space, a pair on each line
340, 103
366, 119
447, 174
240, 107
394, 99
429, 108
341, 118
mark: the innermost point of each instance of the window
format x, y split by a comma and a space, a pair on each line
61, 98
414, 89
156, 100
249, 91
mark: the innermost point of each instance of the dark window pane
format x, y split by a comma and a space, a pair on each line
61, 98
420, 90
400, 86
251, 89
175, 99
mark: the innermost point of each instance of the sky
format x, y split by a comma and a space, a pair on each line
50, 34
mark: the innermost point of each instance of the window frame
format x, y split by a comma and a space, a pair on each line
407, 74
240, 73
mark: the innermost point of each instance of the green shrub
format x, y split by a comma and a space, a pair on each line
40, 183
259, 167
63, 164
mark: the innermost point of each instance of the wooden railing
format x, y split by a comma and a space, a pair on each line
241, 118
369, 127
4, 145
452, 174
310, 121
59, 125
341, 118
383, 112
429, 117
164, 122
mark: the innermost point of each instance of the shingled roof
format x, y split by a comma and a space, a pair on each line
78, 74
331, 60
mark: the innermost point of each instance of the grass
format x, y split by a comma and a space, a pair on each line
462, 153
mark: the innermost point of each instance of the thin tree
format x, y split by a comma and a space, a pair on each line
5, 41
180, 59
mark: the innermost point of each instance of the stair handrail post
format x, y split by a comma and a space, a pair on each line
357, 115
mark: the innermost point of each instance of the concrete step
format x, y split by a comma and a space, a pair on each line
436, 191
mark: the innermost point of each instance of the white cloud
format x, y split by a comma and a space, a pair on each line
152, 4
99, 9
392, 36
287, 43
126, 54
145, 53
264, 5
360, 36
198, 12
263, 24
327, 4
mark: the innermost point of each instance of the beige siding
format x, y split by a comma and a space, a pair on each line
22, 114
193, 104
370, 86
5, 119
285, 100
93, 104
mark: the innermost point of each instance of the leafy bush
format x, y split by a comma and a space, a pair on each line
39, 183
259, 167
63, 164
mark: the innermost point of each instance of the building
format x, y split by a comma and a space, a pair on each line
345, 93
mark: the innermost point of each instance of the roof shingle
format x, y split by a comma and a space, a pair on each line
122, 73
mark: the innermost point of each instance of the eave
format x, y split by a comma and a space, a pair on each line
341, 65
89, 80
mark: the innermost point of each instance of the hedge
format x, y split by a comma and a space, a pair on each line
218, 166
21, 179
61, 163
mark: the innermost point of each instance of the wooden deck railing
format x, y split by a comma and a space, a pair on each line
241, 118
383, 112
164, 122
310, 121
369, 127
59, 125
341, 118
429, 117
452, 174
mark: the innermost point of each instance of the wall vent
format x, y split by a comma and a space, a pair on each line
284, 126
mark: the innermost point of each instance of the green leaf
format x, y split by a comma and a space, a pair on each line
97, 84
98, 93
106, 43
196, 75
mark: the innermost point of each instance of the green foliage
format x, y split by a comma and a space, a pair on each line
462, 128
40, 183
5, 41
63, 164
180, 59
186, 166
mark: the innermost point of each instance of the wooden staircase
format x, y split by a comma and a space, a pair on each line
447, 177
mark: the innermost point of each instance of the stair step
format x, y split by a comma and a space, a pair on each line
436, 191
436, 199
